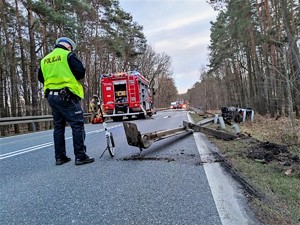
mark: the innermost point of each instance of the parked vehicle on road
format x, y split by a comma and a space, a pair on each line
174, 105
180, 104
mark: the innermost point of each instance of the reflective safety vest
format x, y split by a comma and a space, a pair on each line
57, 73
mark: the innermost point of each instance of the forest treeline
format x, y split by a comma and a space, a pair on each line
254, 58
253, 61
108, 41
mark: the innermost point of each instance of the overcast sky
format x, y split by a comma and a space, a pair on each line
178, 28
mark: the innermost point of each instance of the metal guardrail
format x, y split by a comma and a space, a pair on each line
6, 121
25, 119
29, 119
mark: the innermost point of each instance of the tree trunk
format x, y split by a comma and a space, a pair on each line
2, 65
33, 63
260, 103
24, 71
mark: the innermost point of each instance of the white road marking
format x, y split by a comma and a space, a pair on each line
48, 144
25, 150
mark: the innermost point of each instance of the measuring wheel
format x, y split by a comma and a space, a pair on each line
110, 144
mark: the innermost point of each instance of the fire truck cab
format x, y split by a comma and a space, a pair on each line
126, 94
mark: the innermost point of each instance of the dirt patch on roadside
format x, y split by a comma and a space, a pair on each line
267, 152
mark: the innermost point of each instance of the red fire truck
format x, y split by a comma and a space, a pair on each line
125, 94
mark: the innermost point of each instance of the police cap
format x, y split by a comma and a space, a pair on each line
66, 40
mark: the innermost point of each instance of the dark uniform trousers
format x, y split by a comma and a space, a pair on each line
71, 112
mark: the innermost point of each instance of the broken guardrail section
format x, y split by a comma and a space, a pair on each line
143, 141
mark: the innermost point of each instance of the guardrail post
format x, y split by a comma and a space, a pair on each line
221, 121
236, 128
216, 118
33, 126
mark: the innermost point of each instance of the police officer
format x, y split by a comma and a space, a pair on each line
60, 72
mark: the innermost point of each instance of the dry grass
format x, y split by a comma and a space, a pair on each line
279, 179
278, 131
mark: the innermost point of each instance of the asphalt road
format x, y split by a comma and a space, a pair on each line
170, 184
